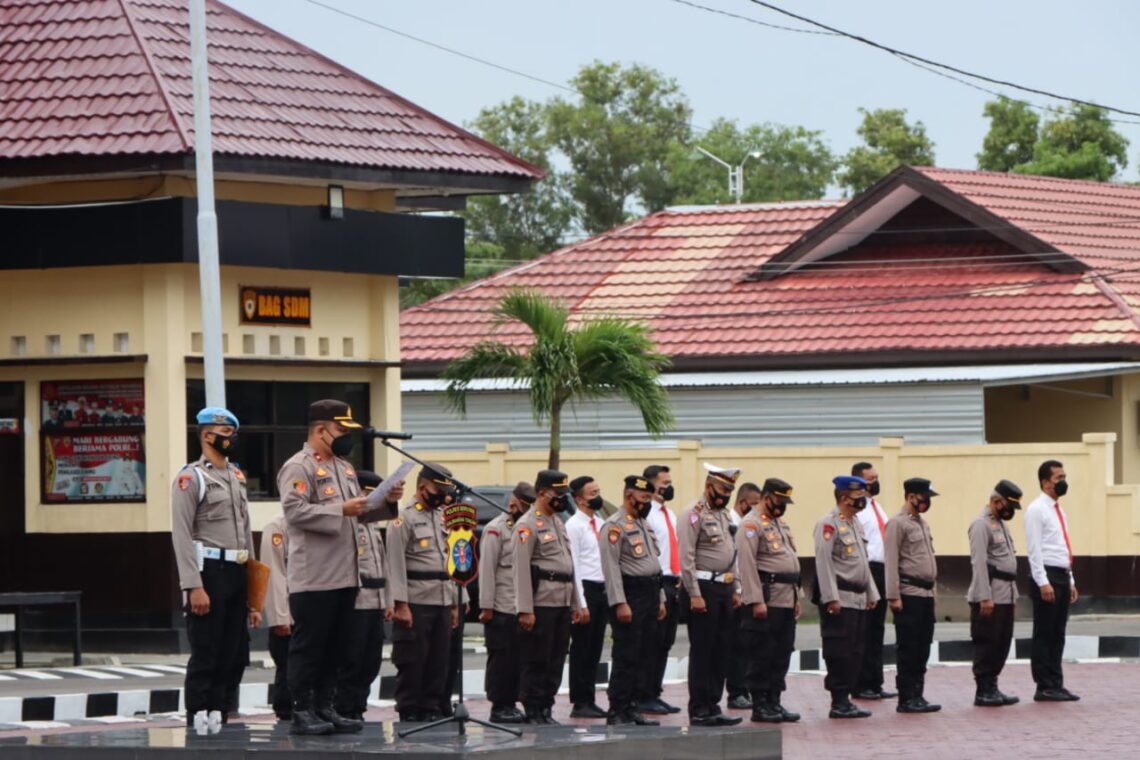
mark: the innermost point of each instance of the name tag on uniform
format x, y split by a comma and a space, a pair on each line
547, 537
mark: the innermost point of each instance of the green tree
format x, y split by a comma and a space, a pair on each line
528, 224
1080, 143
794, 163
1012, 135
616, 137
595, 358
888, 142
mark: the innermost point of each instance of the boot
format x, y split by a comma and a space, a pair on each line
842, 707
1006, 699
986, 694
786, 716
305, 721
507, 714
340, 724
911, 701
548, 718
763, 711
533, 714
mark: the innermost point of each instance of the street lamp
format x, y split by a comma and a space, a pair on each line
735, 173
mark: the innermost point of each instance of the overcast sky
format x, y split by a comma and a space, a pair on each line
732, 68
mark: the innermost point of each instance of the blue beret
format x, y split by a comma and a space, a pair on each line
849, 483
216, 415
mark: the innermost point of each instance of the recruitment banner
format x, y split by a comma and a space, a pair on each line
70, 404
89, 467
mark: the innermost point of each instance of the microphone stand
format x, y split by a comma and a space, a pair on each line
461, 716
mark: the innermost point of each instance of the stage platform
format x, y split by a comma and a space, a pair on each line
271, 741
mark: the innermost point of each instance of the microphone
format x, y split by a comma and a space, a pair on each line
374, 433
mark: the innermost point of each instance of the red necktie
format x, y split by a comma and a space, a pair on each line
879, 517
1064, 531
594, 527
674, 555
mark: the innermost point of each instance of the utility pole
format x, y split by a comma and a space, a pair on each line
735, 173
209, 274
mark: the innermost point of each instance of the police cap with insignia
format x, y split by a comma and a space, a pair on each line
639, 483
524, 492
554, 479
919, 486
331, 410
216, 415
724, 475
1009, 491
780, 488
368, 480
849, 483
439, 475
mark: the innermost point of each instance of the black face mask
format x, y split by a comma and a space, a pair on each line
873, 488
643, 508
922, 505
777, 509
716, 501
224, 444
859, 504
560, 502
1005, 512
342, 445
434, 500
1061, 487
667, 493
595, 503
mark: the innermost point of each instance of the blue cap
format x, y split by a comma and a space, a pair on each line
849, 483
216, 415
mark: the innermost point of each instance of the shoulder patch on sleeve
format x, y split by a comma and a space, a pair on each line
523, 534
397, 522
299, 486
184, 482
828, 531
614, 534
694, 518
278, 539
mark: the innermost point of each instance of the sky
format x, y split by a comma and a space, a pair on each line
732, 68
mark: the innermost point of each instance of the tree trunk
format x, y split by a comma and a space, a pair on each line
555, 436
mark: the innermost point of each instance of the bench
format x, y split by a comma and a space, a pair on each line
18, 600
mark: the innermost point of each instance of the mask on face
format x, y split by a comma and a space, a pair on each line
873, 488
922, 504
667, 493
859, 504
715, 500
224, 444
777, 509
1005, 512
342, 445
560, 502
643, 508
1061, 487
595, 503
434, 500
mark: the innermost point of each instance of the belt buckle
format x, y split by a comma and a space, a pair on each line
727, 577
242, 556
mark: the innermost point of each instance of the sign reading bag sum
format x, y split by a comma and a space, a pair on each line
276, 306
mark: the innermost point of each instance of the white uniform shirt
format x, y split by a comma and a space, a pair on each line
871, 532
656, 521
735, 517
584, 550
1045, 541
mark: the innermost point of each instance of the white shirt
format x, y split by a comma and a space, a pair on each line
871, 532
1044, 538
735, 517
656, 521
584, 550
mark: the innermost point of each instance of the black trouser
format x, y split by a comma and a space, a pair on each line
501, 679
219, 640
421, 655
365, 641
630, 651
454, 644
279, 651
871, 666
710, 636
650, 680
543, 650
842, 636
586, 642
769, 644
991, 636
735, 678
318, 644
914, 631
1049, 622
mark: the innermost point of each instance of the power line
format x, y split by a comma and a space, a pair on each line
929, 62
751, 20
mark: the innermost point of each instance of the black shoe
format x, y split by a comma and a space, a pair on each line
916, 705
431, 716
766, 712
340, 723
845, 709
548, 718
989, 698
411, 716
587, 711
787, 716
306, 723
869, 694
1007, 699
740, 702
1051, 695
507, 715
1070, 696
630, 718
886, 694
717, 721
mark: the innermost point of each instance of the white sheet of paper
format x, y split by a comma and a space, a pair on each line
377, 497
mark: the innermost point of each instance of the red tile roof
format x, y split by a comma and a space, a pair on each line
686, 272
112, 77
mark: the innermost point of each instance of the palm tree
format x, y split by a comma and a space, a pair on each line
598, 357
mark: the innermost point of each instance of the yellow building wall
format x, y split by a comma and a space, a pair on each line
1105, 516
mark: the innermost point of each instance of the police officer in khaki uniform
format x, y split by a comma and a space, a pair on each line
547, 600
321, 499
212, 541
710, 579
844, 591
425, 597
497, 610
274, 553
629, 552
993, 592
911, 575
365, 638
770, 593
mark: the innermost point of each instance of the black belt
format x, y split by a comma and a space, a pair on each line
793, 578
366, 582
1001, 575
917, 582
846, 585
427, 575
672, 580
550, 575
642, 580
593, 584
